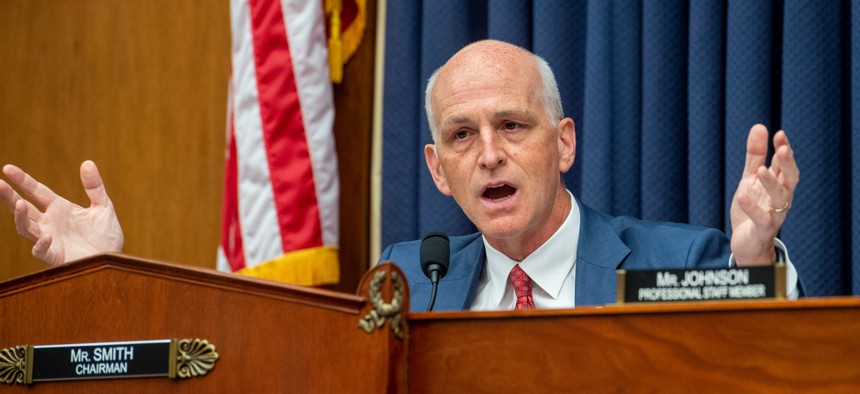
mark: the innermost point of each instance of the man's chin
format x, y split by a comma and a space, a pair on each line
504, 230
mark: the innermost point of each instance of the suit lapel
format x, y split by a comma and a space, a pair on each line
598, 256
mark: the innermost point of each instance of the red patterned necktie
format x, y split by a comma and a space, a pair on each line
522, 287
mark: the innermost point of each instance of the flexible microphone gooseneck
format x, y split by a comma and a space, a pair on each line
435, 258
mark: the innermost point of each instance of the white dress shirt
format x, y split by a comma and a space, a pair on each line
551, 268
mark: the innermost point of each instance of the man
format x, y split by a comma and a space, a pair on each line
500, 146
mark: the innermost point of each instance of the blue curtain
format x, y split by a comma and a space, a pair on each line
663, 94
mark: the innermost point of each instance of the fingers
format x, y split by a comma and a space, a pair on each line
42, 250
41, 247
26, 214
780, 180
756, 149
780, 195
780, 139
37, 192
783, 164
93, 184
8, 196
27, 220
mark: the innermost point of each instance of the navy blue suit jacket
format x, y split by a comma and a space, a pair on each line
606, 244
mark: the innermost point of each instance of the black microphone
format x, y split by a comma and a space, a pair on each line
435, 258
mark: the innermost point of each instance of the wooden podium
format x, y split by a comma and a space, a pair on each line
273, 337
270, 337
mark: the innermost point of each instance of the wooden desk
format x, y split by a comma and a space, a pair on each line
741, 346
273, 337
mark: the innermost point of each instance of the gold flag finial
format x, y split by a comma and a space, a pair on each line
333, 9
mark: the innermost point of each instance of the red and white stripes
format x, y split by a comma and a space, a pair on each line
281, 185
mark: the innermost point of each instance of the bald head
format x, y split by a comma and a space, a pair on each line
501, 60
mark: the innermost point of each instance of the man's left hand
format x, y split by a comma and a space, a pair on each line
763, 198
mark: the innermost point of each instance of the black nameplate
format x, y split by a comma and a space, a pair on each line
738, 283
101, 360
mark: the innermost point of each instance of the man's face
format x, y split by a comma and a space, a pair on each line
497, 152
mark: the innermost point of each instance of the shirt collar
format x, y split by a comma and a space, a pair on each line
547, 266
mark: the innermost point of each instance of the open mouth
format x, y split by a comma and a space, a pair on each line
500, 192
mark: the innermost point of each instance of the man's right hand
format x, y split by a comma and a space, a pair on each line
62, 231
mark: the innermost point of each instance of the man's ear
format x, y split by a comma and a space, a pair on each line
566, 144
435, 167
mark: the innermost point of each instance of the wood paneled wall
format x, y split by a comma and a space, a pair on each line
140, 86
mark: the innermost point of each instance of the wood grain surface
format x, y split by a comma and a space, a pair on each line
764, 346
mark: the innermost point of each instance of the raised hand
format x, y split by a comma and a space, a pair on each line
62, 231
763, 199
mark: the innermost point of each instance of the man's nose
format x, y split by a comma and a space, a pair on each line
492, 150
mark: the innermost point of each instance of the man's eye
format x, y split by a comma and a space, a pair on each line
461, 134
511, 125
